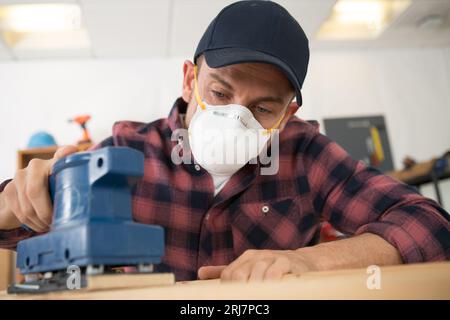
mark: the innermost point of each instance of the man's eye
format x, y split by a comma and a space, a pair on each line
260, 109
218, 94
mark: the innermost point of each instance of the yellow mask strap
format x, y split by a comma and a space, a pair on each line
197, 95
275, 126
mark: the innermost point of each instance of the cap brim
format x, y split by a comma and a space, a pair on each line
217, 58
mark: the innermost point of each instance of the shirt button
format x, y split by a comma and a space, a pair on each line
207, 217
197, 167
265, 209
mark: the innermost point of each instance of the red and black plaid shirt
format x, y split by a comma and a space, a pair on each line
317, 180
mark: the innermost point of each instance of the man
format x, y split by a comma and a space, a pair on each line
229, 220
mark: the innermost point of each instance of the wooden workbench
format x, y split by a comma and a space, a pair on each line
420, 281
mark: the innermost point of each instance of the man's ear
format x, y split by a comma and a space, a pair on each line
188, 80
290, 111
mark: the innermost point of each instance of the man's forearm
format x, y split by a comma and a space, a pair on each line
355, 252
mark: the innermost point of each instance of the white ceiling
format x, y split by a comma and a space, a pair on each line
165, 28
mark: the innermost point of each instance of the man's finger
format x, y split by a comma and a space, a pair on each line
28, 215
37, 191
248, 255
210, 272
276, 270
28, 219
239, 272
61, 153
259, 269
12, 203
35, 224
24, 209
64, 151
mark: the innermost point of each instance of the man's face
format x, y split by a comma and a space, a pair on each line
260, 87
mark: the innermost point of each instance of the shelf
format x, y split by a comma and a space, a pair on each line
24, 156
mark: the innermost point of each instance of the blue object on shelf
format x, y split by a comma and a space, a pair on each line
41, 139
440, 165
92, 218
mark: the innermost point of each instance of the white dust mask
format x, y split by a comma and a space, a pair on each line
224, 138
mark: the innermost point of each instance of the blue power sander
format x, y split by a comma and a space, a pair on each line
92, 229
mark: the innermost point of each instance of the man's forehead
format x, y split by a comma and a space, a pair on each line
260, 72
249, 68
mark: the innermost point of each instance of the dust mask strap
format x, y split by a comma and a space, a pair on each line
197, 94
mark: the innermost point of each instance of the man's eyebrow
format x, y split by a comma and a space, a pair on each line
226, 84
269, 99
222, 81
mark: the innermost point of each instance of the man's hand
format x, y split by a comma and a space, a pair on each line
355, 252
259, 265
26, 200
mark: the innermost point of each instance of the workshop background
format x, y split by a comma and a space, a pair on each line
122, 59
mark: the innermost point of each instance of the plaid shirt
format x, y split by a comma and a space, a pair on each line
317, 180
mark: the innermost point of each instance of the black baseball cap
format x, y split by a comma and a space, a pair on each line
257, 31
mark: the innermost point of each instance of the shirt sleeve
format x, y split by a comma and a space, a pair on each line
358, 199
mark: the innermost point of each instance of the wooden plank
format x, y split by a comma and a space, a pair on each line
121, 281
6, 270
420, 281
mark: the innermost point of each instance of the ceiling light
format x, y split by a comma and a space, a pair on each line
359, 19
43, 26
40, 17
